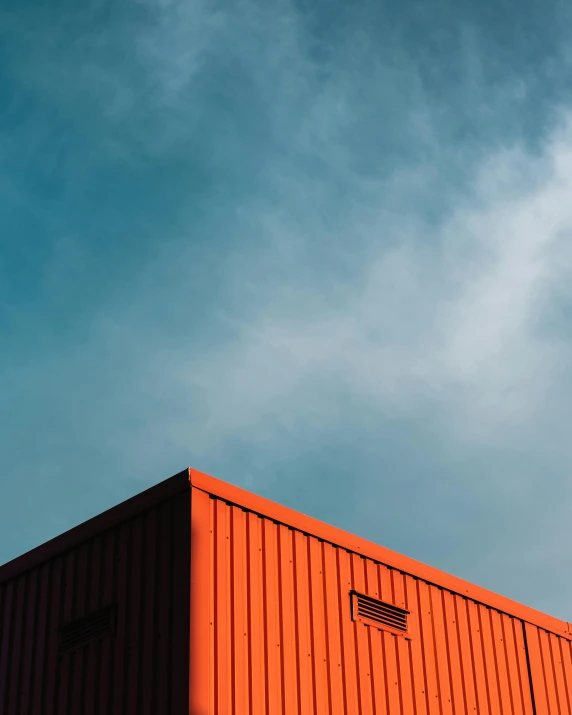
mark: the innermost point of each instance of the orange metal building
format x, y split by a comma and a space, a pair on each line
198, 597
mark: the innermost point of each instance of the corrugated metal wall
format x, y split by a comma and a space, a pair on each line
551, 671
281, 638
142, 566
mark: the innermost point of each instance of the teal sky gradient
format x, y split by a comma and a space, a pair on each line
320, 250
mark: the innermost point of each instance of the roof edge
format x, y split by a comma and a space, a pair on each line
104, 521
332, 534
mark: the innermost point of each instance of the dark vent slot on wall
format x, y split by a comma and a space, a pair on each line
94, 626
386, 616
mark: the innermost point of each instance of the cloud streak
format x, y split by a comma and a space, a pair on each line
454, 314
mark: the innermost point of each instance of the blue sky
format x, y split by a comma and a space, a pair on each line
320, 250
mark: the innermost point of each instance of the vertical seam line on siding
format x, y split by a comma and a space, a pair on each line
487, 689
371, 672
395, 642
554, 679
127, 620
215, 607
448, 651
11, 661
423, 648
523, 698
69, 660
232, 586
327, 631
44, 661
355, 639
265, 617
56, 625
169, 534
495, 659
384, 659
157, 644
97, 645
280, 616
313, 648
529, 668
142, 596
472, 648
114, 590
3, 611
22, 654
9, 589
561, 642
84, 660
506, 658
438, 674
410, 649
544, 674
296, 620
341, 607
249, 614
462, 664
34, 636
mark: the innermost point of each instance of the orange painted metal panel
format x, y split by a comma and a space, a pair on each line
300, 599
452, 640
333, 632
256, 616
288, 622
271, 595
362, 634
357, 545
201, 603
465, 656
551, 671
418, 671
285, 641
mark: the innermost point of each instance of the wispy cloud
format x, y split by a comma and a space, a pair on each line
467, 314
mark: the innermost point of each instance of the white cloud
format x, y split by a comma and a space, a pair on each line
452, 314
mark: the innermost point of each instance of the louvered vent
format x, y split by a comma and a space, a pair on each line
94, 626
380, 614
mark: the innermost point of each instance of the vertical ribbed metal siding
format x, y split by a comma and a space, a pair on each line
551, 671
281, 638
142, 566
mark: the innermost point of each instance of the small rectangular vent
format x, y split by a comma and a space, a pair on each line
380, 614
94, 626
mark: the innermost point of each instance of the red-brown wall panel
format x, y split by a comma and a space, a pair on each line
142, 566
